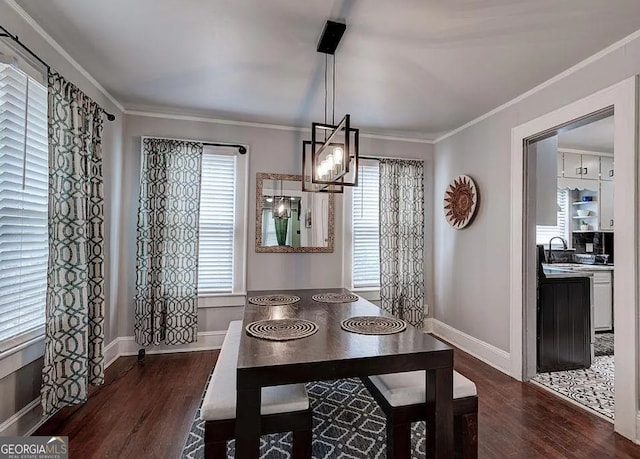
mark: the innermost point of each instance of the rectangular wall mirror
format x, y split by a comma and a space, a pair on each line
289, 219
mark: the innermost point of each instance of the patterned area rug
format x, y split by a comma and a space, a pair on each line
592, 388
603, 344
347, 422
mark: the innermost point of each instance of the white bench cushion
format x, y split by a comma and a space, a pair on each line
403, 389
220, 397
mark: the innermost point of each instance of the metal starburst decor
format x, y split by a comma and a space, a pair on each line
460, 201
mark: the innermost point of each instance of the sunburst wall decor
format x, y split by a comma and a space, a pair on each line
460, 201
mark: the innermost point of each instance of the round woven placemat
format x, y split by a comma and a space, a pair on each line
374, 325
335, 297
273, 300
282, 329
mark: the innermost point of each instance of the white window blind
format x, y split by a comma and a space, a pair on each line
24, 184
545, 233
217, 221
366, 232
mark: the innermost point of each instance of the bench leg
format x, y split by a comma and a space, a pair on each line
469, 433
215, 450
302, 444
398, 440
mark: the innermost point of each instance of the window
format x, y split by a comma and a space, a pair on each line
366, 233
24, 182
545, 233
222, 223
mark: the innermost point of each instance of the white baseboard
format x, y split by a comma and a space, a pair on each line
489, 354
28, 419
637, 439
111, 352
21, 422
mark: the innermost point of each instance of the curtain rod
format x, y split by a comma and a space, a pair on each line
378, 158
241, 148
6, 33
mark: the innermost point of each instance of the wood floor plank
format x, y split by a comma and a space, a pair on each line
145, 411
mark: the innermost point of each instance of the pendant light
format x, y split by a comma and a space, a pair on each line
281, 205
330, 159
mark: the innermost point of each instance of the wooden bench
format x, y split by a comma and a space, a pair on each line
284, 408
401, 396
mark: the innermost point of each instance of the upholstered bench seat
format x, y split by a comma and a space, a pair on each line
402, 396
220, 398
402, 389
283, 408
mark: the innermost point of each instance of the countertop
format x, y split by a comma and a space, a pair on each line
553, 272
578, 267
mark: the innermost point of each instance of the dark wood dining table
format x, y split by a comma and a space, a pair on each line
333, 353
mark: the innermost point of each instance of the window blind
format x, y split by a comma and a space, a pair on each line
24, 184
545, 233
217, 218
366, 232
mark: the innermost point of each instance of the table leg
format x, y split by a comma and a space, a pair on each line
248, 423
439, 419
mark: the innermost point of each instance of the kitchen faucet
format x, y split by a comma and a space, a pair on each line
564, 246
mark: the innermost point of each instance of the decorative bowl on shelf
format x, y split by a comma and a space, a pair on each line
583, 213
587, 198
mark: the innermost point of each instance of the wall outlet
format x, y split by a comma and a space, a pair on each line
589, 247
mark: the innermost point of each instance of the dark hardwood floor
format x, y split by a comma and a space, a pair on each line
145, 411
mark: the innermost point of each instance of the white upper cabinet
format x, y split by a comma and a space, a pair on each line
606, 205
606, 168
572, 165
590, 167
581, 166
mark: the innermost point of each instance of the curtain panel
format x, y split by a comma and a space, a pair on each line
402, 239
166, 309
74, 333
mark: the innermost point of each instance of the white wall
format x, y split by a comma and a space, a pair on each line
472, 265
270, 150
22, 386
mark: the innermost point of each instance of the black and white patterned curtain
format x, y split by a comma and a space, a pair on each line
74, 332
167, 245
402, 239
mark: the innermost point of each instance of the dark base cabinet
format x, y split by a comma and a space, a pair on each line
564, 324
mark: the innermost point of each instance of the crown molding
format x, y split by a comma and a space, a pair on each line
571, 70
56, 46
280, 127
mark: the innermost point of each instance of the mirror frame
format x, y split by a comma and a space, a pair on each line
260, 177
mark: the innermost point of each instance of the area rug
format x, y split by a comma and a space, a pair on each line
592, 388
603, 344
347, 423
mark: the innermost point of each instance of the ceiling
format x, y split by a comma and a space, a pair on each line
416, 68
596, 136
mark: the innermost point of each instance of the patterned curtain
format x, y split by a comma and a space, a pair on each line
167, 268
402, 239
74, 338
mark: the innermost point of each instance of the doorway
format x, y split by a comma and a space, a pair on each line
574, 232
622, 99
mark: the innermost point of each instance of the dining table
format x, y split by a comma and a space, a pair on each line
334, 353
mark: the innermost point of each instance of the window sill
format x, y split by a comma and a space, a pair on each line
368, 293
221, 300
19, 356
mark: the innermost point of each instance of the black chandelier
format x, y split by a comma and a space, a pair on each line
330, 158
